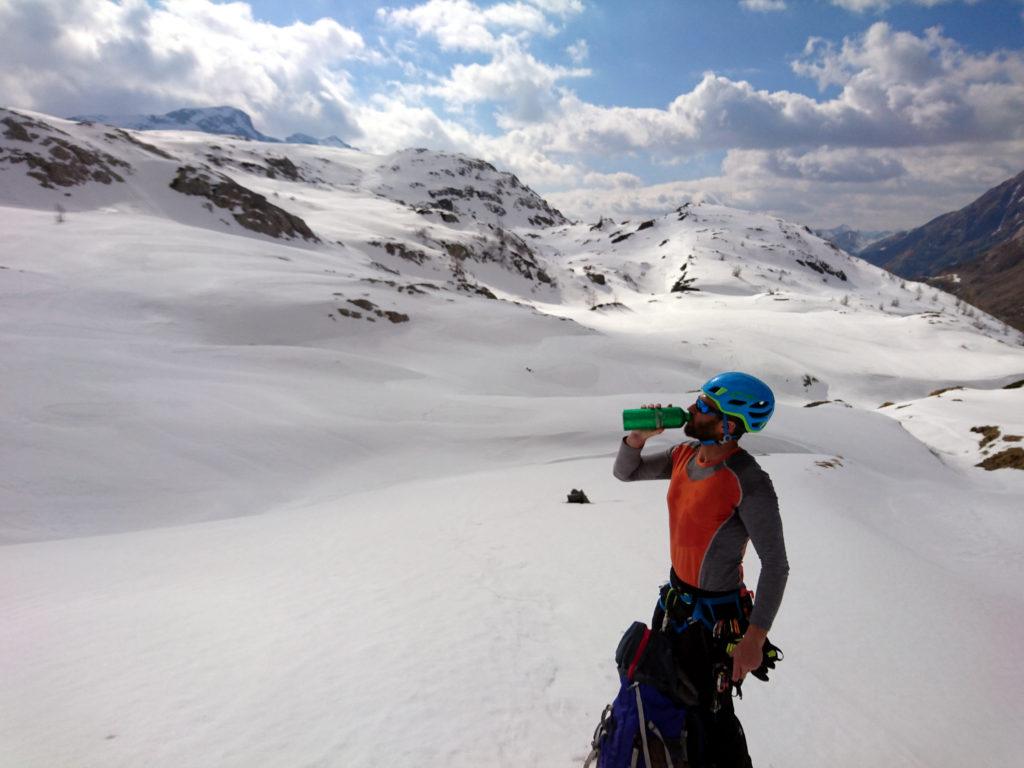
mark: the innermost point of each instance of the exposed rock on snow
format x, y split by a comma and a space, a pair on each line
462, 186
250, 209
64, 163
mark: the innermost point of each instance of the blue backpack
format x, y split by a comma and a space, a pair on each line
646, 724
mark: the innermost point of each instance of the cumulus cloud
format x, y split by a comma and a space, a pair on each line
617, 180
897, 90
578, 51
75, 56
387, 124
764, 5
559, 7
860, 6
463, 25
929, 181
823, 164
514, 78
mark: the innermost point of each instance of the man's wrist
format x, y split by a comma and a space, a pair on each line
632, 440
756, 632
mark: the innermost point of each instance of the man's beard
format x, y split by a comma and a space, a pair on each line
702, 432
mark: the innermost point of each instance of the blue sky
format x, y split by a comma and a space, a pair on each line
875, 113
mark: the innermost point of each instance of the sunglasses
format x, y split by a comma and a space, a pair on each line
704, 407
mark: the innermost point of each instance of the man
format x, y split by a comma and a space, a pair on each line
719, 499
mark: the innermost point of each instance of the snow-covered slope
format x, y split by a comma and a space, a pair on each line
267, 495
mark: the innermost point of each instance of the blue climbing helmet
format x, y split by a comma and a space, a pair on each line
743, 397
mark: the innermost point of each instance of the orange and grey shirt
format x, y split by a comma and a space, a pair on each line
714, 510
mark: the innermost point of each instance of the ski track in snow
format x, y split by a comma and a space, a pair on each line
238, 528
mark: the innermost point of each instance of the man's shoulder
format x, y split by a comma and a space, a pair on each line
747, 470
685, 449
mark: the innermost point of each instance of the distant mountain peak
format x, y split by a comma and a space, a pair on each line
327, 141
852, 240
219, 121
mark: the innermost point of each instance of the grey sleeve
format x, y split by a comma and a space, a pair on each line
631, 465
759, 512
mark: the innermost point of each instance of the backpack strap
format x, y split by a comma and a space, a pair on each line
643, 723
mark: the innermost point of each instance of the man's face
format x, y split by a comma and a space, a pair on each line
704, 426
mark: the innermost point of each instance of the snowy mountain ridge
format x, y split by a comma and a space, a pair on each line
225, 121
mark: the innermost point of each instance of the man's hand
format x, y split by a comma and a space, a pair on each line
638, 437
749, 654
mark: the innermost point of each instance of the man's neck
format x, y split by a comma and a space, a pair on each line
712, 454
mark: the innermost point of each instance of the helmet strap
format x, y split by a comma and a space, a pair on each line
726, 435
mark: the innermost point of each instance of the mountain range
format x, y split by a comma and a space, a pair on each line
976, 252
223, 121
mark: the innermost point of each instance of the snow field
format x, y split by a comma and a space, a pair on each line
240, 529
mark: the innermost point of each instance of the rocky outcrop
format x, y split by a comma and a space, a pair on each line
52, 158
250, 209
464, 187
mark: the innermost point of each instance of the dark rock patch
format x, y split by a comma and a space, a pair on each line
596, 277
402, 251
123, 135
684, 283
15, 130
284, 167
577, 496
64, 164
1011, 458
645, 225
822, 268
250, 209
988, 434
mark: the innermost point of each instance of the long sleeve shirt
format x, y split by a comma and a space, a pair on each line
714, 511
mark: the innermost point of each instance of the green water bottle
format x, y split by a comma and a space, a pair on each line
654, 418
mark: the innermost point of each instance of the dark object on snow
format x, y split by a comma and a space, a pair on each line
578, 497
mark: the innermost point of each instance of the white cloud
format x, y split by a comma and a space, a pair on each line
389, 124
578, 51
823, 164
935, 182
860, 6
522, 85
764, 5
75, 56
463, 25
897, 90
619, 180
559, 7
